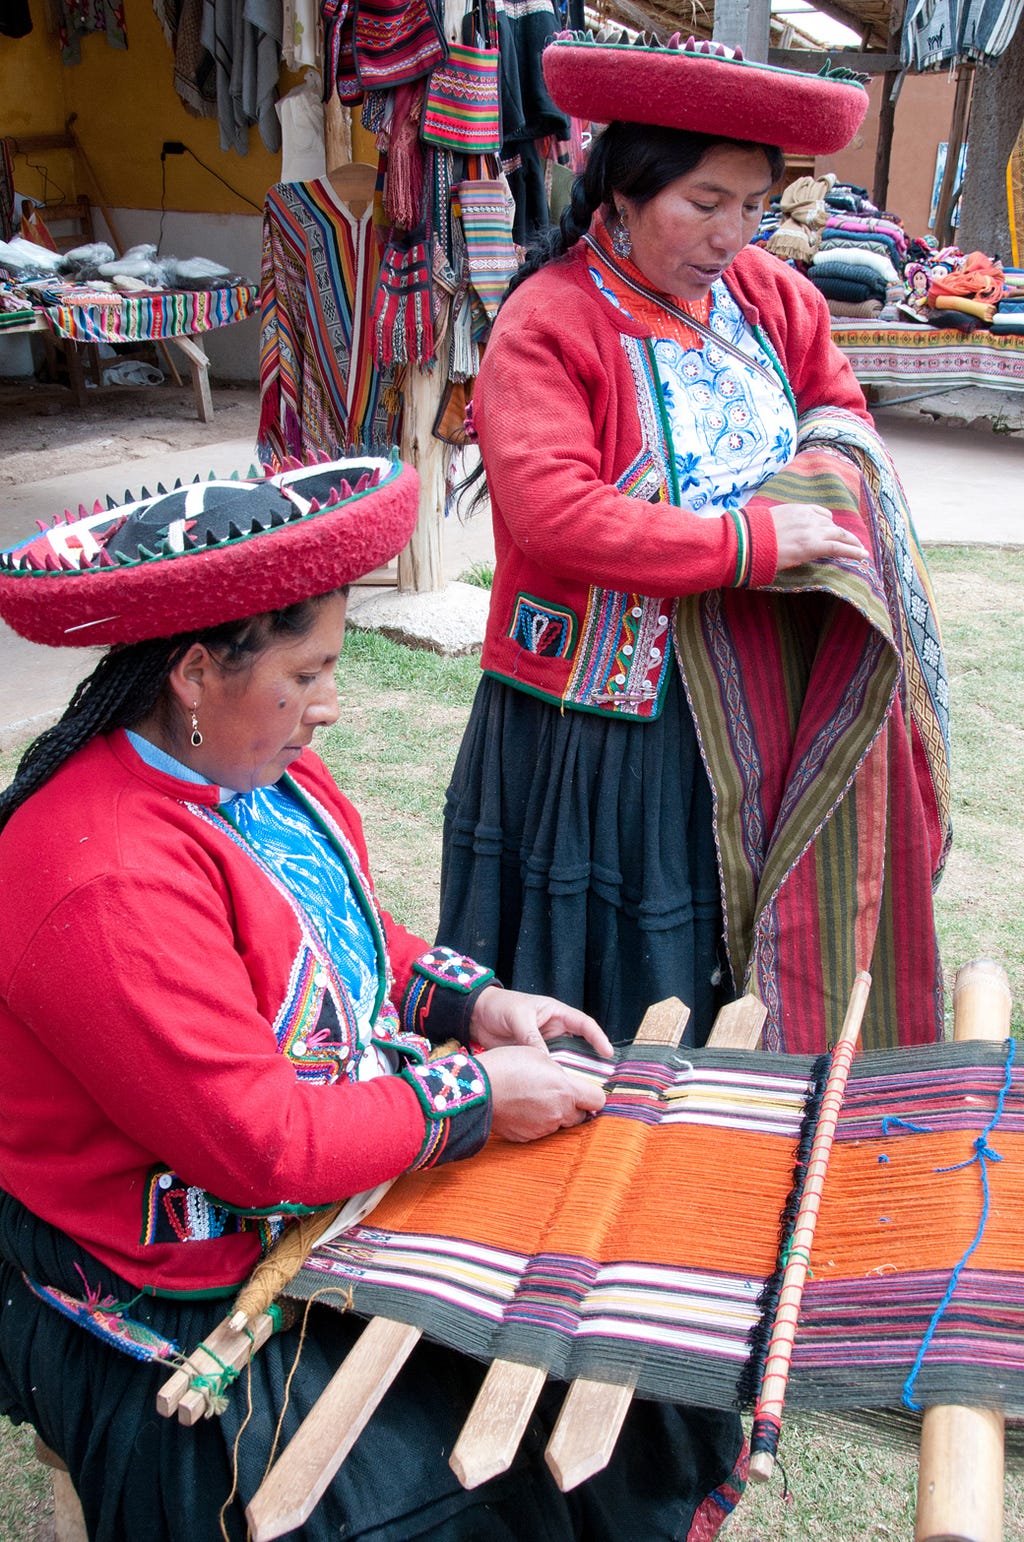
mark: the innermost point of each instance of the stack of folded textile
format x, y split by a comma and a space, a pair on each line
857, 264
1009, 316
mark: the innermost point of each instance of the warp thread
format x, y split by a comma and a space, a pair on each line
983, 1153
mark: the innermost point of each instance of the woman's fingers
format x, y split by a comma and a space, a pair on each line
532, 1095
807, 532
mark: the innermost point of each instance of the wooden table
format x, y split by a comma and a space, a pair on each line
172, 316
930, 359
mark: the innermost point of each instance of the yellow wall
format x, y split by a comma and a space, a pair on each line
126, 107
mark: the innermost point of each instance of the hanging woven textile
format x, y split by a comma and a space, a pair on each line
940, 33
486, 209
340, 76
402, 324
397, 41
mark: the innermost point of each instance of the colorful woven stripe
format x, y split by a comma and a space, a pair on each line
107, 1319
898, 355
461, 111
636, 1247
487, 221
831, 804
178, 313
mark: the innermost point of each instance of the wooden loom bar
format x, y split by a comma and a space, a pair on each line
225, 1347
960, 1471
494, 1427
297, 1481
780, 1349
594, 1412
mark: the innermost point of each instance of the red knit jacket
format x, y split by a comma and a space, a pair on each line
154, 983
580, 565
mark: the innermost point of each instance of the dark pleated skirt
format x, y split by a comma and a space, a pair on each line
146, 1478
579, 858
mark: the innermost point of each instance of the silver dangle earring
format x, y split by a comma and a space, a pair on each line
622, 246
196, 736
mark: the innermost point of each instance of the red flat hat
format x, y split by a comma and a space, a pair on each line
705, 89
206, 553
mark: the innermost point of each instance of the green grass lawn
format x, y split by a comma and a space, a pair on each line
392, 750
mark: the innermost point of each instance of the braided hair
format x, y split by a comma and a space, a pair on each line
637, 159
129, 683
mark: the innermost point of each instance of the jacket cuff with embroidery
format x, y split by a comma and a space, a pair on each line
455, 1096
441, 994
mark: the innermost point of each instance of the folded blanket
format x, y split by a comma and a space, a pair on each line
866, 309
835, 253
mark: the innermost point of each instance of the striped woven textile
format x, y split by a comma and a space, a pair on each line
487, 222
821, 702
133, 319
931, 356
643, 1246
319, 388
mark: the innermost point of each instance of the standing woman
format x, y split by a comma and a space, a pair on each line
709, 752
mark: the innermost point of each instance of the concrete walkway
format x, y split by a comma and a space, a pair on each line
965, 486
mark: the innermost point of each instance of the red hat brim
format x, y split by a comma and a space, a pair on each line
705, 93
187, 591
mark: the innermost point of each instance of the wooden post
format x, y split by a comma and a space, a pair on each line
421, 565
957, 132
744, 24
960, 1474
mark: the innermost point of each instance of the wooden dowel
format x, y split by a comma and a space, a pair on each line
960, 1471
490, 1437
772, 1395
592, 1415
230, 1347
293, 1488
588, 1426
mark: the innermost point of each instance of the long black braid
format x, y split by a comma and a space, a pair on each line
128, 684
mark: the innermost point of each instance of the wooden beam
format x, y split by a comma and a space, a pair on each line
865, 62
960, 1471
957, 131
744, 24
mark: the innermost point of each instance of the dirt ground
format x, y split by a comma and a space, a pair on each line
43, 434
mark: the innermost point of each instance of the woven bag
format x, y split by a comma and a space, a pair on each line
462, 110
397, 41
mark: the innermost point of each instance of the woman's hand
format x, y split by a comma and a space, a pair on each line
533, 1096
515, 1017
806, 532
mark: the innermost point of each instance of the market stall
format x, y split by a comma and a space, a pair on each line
174, 316
929, 359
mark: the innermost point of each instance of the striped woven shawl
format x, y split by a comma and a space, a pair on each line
821, 705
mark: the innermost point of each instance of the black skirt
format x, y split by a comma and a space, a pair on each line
144, 1477
579, 858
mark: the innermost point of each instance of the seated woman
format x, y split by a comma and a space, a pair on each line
208, 1025
708, 754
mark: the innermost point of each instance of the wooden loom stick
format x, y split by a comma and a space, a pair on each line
490, 1437
301, 1475
768, 1413
594, 1412
960, 1471
224, 1347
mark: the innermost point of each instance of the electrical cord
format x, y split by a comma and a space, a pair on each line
177, 147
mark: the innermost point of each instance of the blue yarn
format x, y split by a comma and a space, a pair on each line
982, 1153
890, 1122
